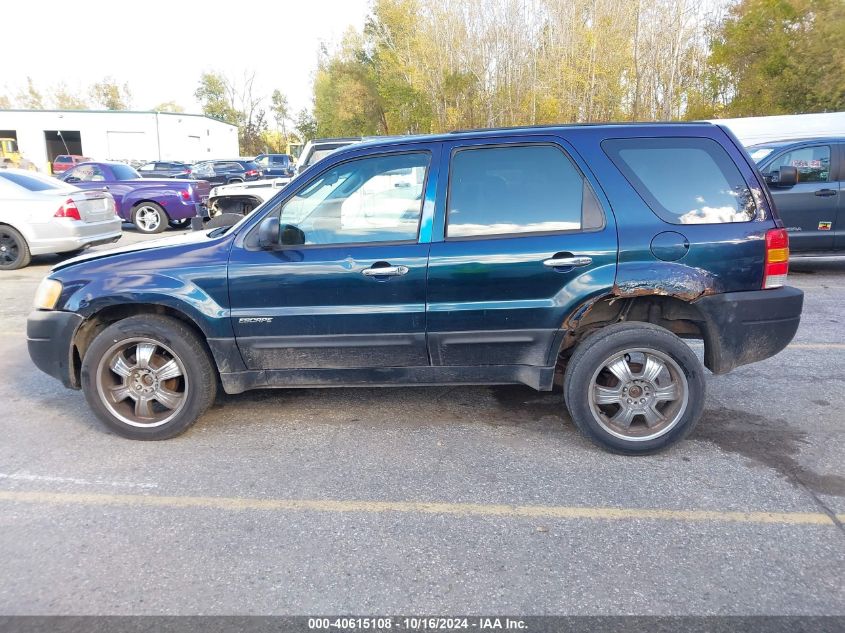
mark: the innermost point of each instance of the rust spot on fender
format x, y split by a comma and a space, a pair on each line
664, 279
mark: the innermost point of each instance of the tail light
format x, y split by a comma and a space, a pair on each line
186, 195
68, 210
253, 172
777, 258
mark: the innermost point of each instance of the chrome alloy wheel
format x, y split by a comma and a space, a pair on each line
148, 218
142, 382
639, 394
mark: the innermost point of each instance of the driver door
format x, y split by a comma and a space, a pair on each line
348, 288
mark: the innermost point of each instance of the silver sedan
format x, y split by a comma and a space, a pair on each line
40, 215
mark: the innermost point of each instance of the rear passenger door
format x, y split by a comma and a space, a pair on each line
522, 236
809, 208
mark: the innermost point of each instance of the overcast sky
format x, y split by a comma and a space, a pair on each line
161, 48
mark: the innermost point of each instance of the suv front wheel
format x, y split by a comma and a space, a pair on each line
634, 388
148, 377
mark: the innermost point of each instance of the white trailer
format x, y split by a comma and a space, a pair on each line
762, 129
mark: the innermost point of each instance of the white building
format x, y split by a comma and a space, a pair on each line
118, 135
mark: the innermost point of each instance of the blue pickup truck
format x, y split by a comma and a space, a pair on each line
576, 257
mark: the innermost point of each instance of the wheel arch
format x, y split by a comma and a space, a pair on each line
98, 321
672, 312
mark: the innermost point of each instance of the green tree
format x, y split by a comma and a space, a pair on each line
305, 125
110, 95
223, 99
169, 106
281, 113
63, 99
780, 57
216, 98
29, 97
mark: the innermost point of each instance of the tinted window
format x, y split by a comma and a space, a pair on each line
519, 189
124, 172
813, 163
684, 180
30, 183
375, 199
248, 166
64, 159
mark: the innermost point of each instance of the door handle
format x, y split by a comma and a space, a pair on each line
567, 262
385, 271
826, 193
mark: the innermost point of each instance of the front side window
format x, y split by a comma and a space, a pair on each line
684, 180
374, 199
147, 167
516, 190
812, 163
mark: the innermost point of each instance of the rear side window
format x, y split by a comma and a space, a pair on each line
31, 183
684, 180
124, 172
519, 189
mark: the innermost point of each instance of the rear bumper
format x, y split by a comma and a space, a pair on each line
745, 327
71, 236
49, 337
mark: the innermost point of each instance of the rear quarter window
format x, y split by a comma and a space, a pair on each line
684, 180
31, 183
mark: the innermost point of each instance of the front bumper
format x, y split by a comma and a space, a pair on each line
49, 337
745, 327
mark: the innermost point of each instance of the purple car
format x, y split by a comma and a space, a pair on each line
148, 203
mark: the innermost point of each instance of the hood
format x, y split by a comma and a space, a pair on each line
193, 237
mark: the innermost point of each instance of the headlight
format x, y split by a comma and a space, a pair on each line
47, 294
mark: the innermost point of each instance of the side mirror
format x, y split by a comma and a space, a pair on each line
292, 235
785, 177
269, 232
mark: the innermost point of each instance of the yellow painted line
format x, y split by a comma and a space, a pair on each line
238, 504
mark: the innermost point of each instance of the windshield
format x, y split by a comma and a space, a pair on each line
124, 172
758, 154
33, 183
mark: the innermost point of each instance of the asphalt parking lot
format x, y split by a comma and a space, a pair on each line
468, 500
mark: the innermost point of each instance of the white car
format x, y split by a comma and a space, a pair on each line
242, 197
40, 215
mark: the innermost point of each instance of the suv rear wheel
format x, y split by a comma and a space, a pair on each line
634, 388
148, 377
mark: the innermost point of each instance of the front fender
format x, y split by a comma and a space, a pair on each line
152, 289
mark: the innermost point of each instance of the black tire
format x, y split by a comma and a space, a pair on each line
224, 219
180, 224
175, 340
593, 420
14, 251
234, 181
149, 209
